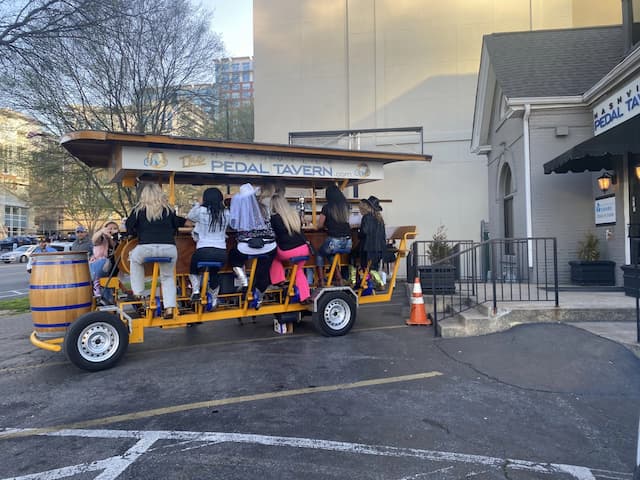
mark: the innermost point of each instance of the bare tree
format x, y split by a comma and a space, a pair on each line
127, 73
26, 20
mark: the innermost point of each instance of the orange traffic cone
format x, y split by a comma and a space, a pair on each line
418, 313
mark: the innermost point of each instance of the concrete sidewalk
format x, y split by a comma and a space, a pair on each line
608, 314
583, 309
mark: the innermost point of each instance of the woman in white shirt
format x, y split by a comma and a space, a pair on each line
210, 225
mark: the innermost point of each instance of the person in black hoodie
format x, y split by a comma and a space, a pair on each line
371, 235
291, 243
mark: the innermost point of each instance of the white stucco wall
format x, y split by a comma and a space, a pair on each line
348, 64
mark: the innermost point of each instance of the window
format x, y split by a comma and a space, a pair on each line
15, 218
246, 66
235, 67
507, 207
246, 76
235, 77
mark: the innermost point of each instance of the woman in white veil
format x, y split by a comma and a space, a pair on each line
255, 237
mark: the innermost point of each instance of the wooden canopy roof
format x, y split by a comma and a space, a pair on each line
205, 161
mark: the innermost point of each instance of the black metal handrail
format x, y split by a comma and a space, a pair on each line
497, 270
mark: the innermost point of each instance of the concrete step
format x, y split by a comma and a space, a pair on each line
475, 321
451, 327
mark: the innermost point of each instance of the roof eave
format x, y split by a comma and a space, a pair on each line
518, 103
614, 77
484, 98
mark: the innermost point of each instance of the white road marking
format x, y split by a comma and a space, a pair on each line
13, 293
114, 466
119, 464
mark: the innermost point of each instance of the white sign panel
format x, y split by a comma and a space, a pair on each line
151, 159
617, 108
605, 209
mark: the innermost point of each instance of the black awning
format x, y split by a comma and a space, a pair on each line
599, 152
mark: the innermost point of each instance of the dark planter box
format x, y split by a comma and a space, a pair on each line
598, 272
631, 279
439, 279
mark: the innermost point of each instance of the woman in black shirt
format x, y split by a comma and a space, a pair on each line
290, 243
155, 223
335, 218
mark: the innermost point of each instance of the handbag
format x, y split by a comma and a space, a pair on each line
255, 242
312, 251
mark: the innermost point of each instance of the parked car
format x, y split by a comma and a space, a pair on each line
59, 246
9, 242
20, 254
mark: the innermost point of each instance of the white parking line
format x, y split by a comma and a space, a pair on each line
13, 293
113, 466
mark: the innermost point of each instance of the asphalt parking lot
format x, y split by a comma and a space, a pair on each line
386, 401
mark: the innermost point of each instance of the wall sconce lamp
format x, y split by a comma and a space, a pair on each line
606, 180
637, 172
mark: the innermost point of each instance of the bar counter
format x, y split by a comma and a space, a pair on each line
186, 247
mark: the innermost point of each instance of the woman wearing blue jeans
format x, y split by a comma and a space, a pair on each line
335, 218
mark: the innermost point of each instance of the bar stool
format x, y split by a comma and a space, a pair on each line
291, 282
256, 296
205, 297
336, 263
154, 300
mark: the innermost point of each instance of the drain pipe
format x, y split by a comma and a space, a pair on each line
527, 180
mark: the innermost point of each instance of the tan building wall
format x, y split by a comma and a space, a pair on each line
16, 218
349, 64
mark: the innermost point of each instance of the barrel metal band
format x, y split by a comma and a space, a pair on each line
62, 285
62, 307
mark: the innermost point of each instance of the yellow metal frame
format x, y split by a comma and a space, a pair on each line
51, 344
243, 310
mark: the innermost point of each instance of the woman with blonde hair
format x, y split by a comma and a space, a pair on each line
291, 243
155, 223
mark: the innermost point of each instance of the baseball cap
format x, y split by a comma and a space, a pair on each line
80, 228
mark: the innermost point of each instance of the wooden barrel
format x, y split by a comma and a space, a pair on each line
60, 291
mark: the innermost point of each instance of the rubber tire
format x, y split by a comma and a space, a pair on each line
79, 327
23, 259
330, 300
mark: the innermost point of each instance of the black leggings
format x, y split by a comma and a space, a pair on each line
263, 278
374, 257
208, 254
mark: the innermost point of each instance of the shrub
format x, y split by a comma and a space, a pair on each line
439, 247
588, 249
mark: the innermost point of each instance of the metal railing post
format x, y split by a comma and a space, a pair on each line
435, 303
555, 272
494, 274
